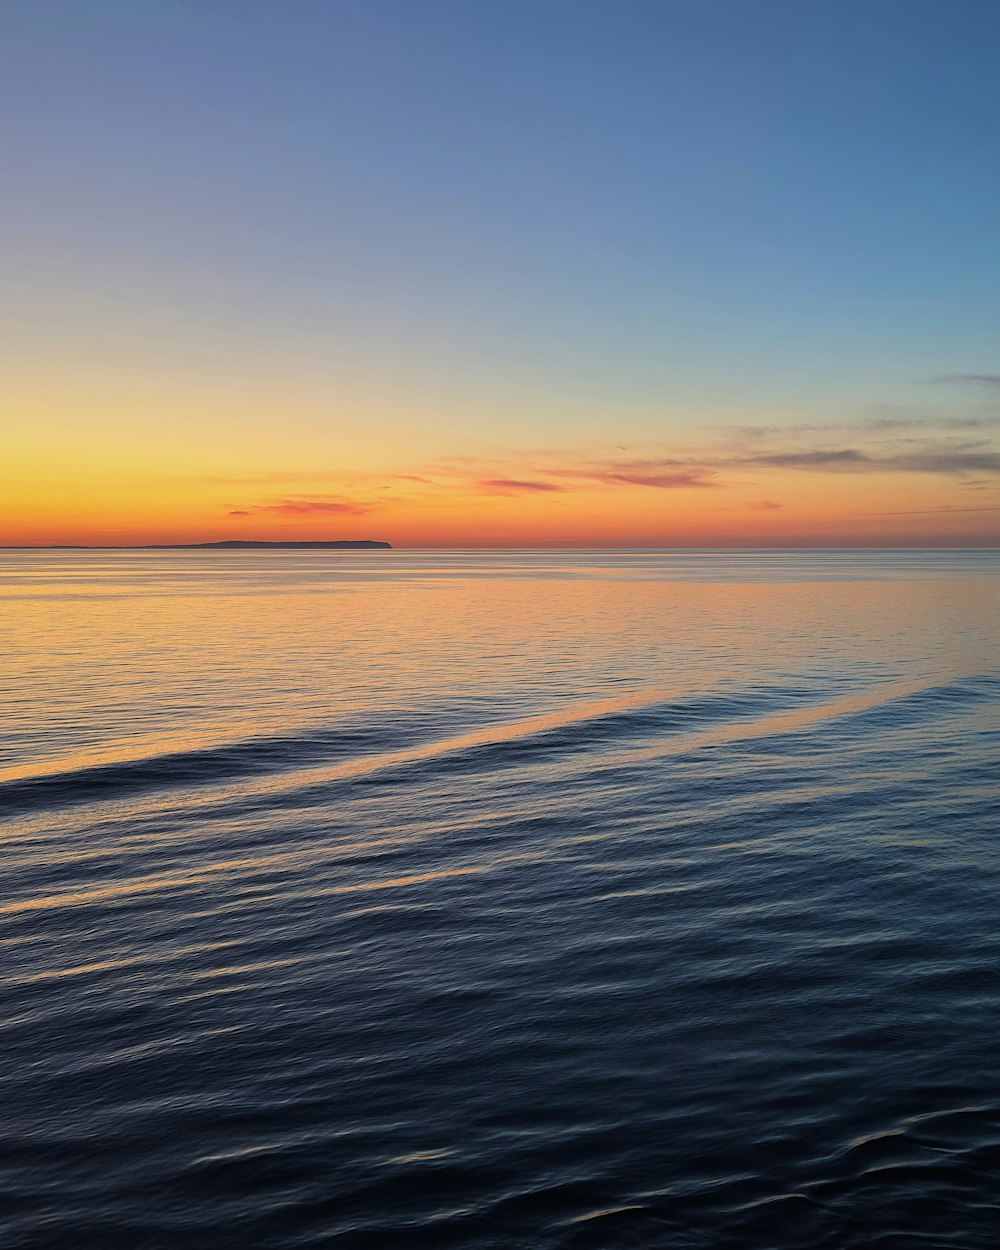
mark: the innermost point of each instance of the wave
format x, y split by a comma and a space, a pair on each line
657, 717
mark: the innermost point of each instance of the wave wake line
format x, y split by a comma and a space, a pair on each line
277, 765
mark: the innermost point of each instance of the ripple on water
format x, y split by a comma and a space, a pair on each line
631, 940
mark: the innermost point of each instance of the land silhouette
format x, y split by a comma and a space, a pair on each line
228, 544
239, 544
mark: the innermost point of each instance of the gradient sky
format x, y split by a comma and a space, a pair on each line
669, 272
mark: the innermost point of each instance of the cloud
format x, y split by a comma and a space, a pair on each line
512, 485
306, 507
884, 442
680, 474
884, 424
661, 481
977, 379
791, 450
937, 511
944, 461
848, 457
929, 456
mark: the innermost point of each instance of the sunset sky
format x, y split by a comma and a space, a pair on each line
470, 273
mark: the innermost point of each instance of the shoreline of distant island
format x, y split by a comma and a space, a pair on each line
228, 544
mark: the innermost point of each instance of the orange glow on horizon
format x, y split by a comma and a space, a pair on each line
83, 471
777, 511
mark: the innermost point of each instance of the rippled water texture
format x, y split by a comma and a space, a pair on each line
530, 901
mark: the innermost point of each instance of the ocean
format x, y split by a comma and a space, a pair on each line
529, 900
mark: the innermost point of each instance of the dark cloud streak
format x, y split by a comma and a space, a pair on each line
306, 507
976, 379
513, 485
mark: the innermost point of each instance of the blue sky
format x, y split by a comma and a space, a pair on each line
542, 222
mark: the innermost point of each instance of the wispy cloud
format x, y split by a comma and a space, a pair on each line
936, 511
305, 507
943, 461
977, 379
841, 458
942, 456
657, 473
661, 481
888, 440
880, 425
513, 486
931, 459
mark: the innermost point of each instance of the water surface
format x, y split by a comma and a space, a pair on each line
542, 900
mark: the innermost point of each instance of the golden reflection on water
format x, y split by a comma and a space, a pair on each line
596, 846
115, 658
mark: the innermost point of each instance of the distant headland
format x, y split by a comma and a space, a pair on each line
228, 544
241, 544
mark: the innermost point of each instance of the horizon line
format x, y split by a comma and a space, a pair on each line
321, 544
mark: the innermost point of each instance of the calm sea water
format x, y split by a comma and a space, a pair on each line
518, 900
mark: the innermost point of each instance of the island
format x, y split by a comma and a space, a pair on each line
228, 544
245, 544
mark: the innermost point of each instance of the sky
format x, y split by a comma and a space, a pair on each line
623, 273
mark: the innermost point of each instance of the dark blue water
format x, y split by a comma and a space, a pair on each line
525, 900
